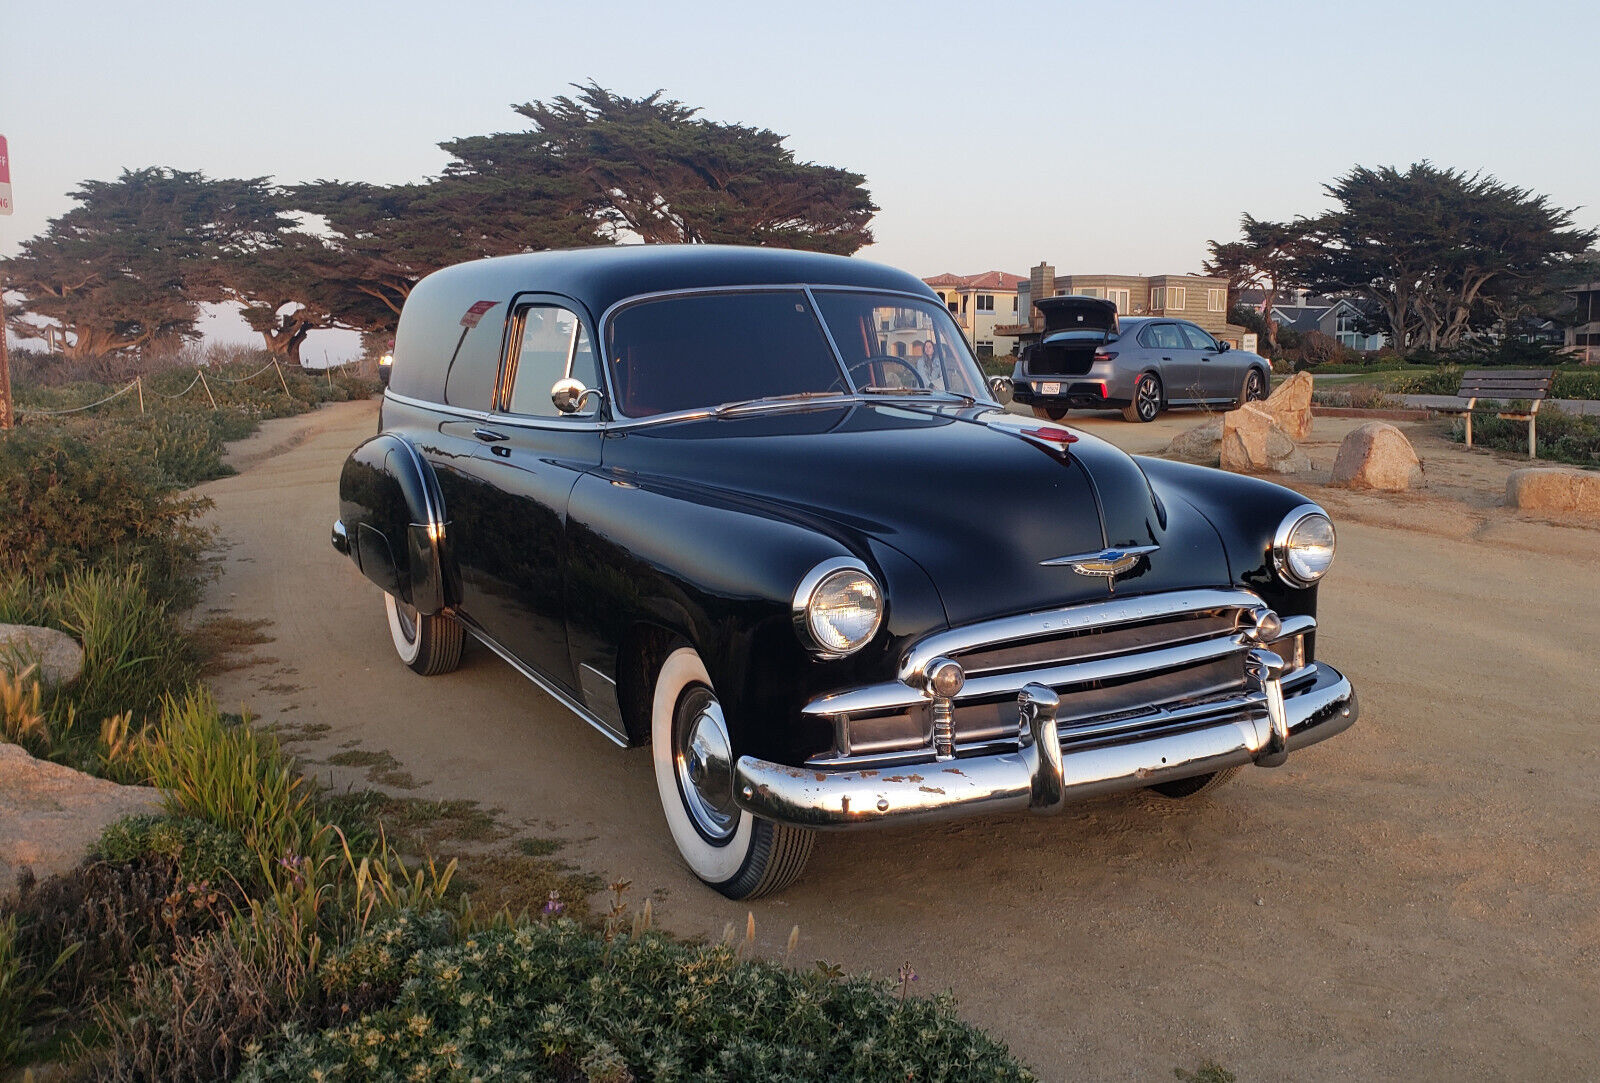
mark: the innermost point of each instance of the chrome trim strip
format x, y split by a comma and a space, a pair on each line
1014, 780
1106, 614
555, 693
435, 523
438, 407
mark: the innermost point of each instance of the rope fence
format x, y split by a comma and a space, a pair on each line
137, 383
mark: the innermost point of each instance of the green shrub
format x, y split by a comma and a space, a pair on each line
555, 1002
134, 653
200, 849
231, 775
1577, 384
1563, 437
71, 503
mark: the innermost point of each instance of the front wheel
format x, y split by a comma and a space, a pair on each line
1146, 402
430, 645
734, 852
1255, 388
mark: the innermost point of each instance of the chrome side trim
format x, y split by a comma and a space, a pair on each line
1022, 779
618, 738
1074, 618
435, 523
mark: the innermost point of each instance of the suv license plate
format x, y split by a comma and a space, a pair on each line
1050, 389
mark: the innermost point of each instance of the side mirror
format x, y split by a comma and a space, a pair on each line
1223, 347
568, 395
1003, 389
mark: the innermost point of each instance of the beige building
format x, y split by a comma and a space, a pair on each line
980, 303
1200, 299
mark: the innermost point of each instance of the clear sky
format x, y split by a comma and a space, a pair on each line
1104, 137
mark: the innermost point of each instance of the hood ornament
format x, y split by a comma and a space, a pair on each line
1107, 563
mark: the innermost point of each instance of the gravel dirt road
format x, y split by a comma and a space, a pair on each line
1415, 899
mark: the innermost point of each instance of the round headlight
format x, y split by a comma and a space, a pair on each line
838, 607
1303, 547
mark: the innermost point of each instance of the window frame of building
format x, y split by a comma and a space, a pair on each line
1216, 299
985, 302
1121, 297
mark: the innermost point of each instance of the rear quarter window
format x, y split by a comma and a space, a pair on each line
437, 358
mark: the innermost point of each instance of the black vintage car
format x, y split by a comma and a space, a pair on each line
712, 501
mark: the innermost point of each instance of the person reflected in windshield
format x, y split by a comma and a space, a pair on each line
929, 366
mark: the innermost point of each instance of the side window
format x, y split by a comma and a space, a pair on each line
1198, 339
475, 360
1163, 336
549, 335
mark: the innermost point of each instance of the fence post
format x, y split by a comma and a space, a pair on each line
207, 386
139, 382
281, 380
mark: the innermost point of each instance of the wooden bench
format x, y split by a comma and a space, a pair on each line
1503, 385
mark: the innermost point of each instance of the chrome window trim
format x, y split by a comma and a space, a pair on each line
520, 303
1280, 543
800, 605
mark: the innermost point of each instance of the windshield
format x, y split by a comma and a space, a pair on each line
699, 350
891, 342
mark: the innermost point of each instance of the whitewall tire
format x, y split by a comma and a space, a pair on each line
430, 645
732, 851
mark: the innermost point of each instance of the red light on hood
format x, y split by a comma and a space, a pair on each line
1052, 435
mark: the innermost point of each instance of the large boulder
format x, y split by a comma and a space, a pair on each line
50, 815
1550, 488
1290, 405
1377, 456
1200, 444
57, 654
1253, 442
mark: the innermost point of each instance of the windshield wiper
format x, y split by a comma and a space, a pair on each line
773, 400
874, 390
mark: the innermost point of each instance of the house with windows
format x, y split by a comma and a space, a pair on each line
1200, 299
1337, 317
978, 304
1583, 335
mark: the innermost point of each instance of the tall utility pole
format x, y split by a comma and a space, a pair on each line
5, 358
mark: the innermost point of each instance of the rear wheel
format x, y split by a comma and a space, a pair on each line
1182, 788
1049, 413
738, 854
1146, 402
430, 645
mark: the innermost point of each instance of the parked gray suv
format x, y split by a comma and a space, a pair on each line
1090, 358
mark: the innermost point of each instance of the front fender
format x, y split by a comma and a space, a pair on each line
394, 520
1245, 512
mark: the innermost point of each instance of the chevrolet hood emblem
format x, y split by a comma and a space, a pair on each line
1107, 563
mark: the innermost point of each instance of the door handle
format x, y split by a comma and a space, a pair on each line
489, 436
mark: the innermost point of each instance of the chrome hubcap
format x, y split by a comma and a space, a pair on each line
704, 759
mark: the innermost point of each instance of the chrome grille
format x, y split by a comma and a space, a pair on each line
1126, 669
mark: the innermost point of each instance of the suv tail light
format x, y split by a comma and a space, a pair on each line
1105, 355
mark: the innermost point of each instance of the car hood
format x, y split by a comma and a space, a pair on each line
978, 497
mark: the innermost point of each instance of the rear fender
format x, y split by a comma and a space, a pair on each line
393, 515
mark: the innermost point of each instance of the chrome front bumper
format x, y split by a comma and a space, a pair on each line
1043, 776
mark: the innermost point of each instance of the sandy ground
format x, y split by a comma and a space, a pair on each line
1412, 900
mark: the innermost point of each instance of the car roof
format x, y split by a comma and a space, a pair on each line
601, 276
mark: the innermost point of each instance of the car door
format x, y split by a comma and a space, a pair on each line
1214, 373
527, 459
1178, 362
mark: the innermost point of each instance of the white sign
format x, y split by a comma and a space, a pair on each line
1247, 342
5, 177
